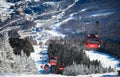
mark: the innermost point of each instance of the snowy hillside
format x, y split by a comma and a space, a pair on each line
106, 60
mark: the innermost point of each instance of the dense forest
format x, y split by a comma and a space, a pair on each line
21, 44
110, 47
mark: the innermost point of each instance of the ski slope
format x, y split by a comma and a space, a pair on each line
38, 57
105, 59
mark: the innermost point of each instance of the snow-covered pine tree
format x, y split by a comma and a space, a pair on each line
6, 55
11, 63
81, 69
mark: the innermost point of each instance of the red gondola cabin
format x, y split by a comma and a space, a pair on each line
92, 41
53, 61
61, 67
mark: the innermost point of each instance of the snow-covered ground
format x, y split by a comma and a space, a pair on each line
54, 75
38, 57
106, 60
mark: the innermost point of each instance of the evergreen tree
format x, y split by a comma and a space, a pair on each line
11, 63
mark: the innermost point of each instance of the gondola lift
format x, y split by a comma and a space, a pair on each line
93, 40
61, 67
53, 61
